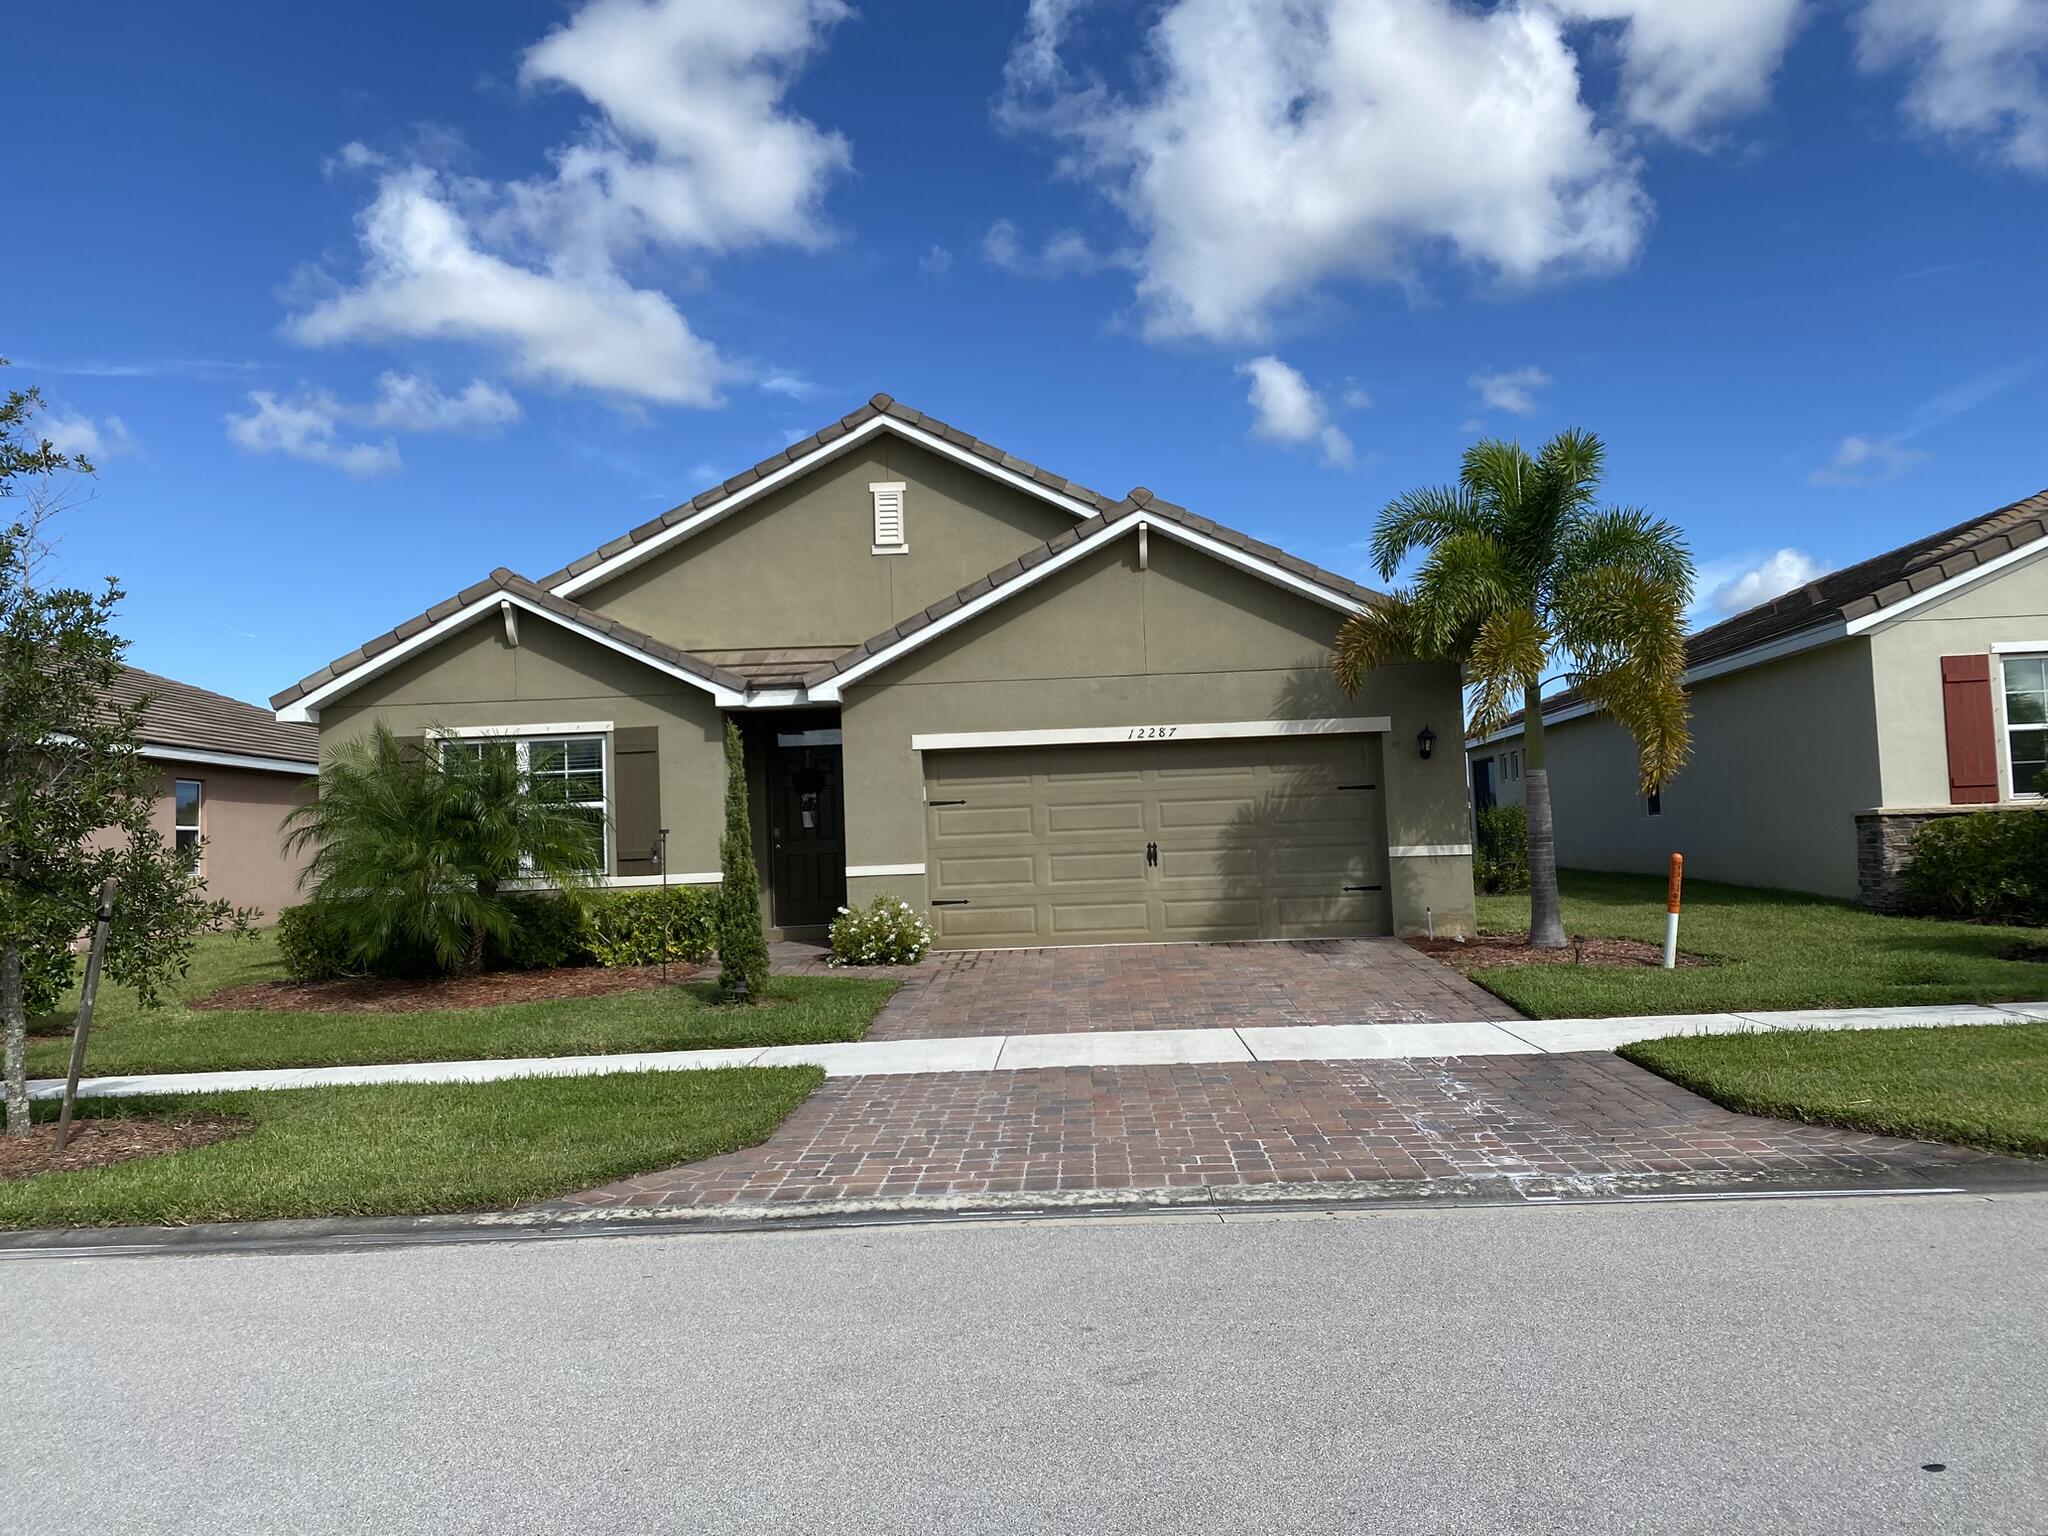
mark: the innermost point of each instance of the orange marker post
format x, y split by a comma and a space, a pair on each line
1671, 912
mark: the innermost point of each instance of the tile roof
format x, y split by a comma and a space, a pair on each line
503, 580
778, 667
180, 715
1867, 587
879, 405
1140, 500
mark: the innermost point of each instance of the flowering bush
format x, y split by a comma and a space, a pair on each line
884, 932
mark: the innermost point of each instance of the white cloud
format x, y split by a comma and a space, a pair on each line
1731, 589
307, 427
72, 433
1978, 69
692, 149
408, 403
936, 262
1513, 390
1867, 461
1285, 409
791, 386
1066, 252
1686, 63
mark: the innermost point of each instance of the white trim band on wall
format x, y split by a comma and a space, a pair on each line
210, 759
471, 732
1431, 850
633, 882
1146, 731
871, 871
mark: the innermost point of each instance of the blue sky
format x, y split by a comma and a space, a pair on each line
358, 302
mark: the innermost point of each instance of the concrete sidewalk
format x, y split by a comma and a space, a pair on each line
1159, 1047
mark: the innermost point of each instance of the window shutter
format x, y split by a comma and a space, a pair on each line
636, 801
888, 516
1972, 741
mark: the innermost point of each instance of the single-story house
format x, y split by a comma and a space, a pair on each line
1039, 714
230, 773
1828, 724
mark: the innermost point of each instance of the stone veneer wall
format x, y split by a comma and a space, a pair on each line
1884, 849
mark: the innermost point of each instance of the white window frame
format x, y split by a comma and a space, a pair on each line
889, 498
2005, 727
522, 738
198, 826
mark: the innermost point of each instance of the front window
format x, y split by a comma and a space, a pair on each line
185, 814
564, 770
2026, 724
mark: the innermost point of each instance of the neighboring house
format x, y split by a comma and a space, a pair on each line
1040, 715
1828, 724
231, 772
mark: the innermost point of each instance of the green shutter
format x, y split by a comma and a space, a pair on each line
636, 801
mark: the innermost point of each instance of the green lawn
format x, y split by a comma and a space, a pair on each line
127, 1038
1768, 949
1985, 1085
415, 1148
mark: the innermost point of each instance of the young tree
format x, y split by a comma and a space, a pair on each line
421, 847
75, 794
1523, 568
742, 949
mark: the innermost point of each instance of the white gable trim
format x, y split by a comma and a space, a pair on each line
831, 691
797, 468
207, 758
1892, 613
307, 707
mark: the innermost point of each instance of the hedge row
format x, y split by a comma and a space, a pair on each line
1991, 864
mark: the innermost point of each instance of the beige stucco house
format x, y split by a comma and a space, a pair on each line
1828, 724
229, 774
1041, 715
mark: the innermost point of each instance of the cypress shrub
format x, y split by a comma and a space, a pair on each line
742, 948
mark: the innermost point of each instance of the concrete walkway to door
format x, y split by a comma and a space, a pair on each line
1121, 987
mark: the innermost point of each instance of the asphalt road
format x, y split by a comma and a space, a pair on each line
1767, 1366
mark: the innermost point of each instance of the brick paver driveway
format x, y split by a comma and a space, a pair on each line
1171, 986
1567, 1124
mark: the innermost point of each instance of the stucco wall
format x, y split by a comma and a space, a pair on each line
242, 856
2009, 607
796, 567
552, 678
1189, 640
1784, 757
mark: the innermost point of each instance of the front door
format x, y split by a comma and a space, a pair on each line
806, 829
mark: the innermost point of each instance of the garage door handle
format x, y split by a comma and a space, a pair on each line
1151, 855
957, 902
1349, 888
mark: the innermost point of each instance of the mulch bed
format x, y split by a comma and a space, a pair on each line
368, 994
1513, 949
102, 1143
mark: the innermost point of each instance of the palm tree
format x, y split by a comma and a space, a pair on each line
1522, 567
420, 847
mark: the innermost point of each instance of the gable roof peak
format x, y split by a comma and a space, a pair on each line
1140, 496
880, 401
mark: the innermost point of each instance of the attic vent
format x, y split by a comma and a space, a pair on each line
889, 532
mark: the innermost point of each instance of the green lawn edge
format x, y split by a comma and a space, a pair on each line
414, 1149
1765, 949
1977, 1085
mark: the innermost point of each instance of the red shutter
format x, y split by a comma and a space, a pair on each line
1972, 743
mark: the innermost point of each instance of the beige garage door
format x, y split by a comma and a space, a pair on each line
1260, 838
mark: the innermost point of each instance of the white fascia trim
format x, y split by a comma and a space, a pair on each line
1941, 589
832, 690
776, 698
306, 709
228, 760
636, 882
869, 871
1431, 850
571, 728
607, 569
2018, 647
1095, 735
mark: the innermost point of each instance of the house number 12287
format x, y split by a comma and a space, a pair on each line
1151, 732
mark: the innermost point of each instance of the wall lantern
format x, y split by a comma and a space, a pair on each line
1426, 740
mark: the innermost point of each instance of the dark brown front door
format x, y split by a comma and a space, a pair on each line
806, 829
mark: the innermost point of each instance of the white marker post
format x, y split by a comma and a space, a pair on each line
1671, 912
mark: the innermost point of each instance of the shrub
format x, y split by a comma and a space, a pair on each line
547, 931
742, 947
1982, 864
311, 944
884, 932
625, 927
1500, 851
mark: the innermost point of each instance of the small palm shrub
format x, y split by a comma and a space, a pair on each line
1500, 850
419, 849
1982, 864
625, 927
884, 932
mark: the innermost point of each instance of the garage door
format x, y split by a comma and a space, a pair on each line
1261, 838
